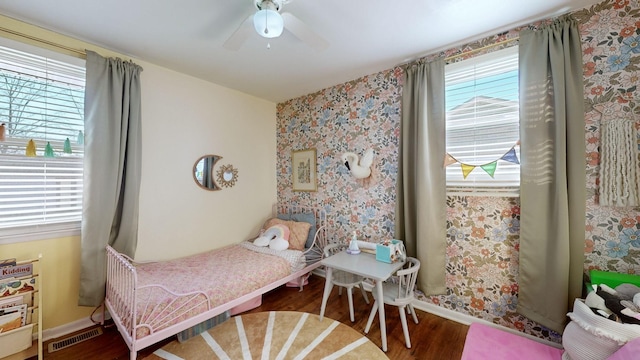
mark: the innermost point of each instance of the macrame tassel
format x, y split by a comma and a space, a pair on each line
31, 148
619, 173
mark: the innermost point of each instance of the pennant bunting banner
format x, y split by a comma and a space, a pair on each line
466, 169
511, 156
448, 160
489, 168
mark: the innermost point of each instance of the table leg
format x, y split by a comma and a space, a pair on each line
328, 286
383, 323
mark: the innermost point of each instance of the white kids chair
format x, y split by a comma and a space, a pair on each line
399, 294
343, 279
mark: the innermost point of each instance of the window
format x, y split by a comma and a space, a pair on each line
482, 124
41, 156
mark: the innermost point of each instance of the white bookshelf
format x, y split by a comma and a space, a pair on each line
26, 341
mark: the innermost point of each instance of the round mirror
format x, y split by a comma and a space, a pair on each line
203, 172
227, 175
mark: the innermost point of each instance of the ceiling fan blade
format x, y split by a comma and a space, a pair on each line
242, 33
303, 32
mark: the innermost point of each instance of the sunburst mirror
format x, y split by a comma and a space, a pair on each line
227, 175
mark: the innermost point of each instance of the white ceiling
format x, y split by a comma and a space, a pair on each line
364, 36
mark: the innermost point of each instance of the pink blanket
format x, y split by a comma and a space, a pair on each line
223, 275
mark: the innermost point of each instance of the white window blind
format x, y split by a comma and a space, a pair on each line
482, 124
41, 100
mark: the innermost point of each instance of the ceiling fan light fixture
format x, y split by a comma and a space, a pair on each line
268, 23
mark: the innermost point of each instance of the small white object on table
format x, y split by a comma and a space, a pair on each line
366, 265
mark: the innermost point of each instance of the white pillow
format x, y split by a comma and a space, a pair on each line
592, 337
261, 241
278, 244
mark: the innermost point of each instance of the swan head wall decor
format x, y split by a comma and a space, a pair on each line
360, 169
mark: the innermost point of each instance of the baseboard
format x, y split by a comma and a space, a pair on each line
468, 320
71, 327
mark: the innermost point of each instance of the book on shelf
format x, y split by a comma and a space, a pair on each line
16, 286
8, 262
16, 271
10, 301
13, 317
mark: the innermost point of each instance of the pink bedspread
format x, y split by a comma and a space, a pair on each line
223, 275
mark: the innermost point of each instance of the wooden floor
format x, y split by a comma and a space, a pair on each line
433, 338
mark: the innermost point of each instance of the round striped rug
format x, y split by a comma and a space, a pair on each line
274, 335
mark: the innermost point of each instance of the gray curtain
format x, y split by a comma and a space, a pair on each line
552, 189
421, 187
111, 168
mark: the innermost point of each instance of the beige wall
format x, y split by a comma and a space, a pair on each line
183, 118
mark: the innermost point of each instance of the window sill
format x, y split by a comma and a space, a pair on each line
485, 193
26, 236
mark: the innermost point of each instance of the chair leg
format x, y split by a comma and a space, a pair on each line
374, 310
413, 313
339, 290
405, 329
364, 293
350, 297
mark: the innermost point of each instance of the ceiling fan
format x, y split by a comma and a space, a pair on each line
268, 22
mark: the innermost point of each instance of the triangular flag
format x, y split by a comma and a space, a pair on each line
490, 168
48, 150
466, 169
31, 148
67, 146
448, 160
511, 156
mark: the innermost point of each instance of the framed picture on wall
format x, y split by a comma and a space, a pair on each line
303, 170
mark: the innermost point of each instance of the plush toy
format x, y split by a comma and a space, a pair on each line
278, 244
359, 168
276, 237
616, 303
261, 241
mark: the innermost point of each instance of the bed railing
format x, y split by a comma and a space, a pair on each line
121, 291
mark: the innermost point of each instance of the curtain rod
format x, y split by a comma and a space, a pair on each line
498, 43
448, 58
80, 53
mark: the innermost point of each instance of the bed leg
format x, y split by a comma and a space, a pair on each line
302, 279
133, 355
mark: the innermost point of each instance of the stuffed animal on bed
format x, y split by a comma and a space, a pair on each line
276, 237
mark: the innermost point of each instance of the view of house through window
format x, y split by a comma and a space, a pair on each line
41, 143
482, 124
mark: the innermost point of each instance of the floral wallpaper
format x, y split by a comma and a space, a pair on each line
611, 56
351, 117
483, 232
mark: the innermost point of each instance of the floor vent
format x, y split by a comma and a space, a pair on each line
72, 340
